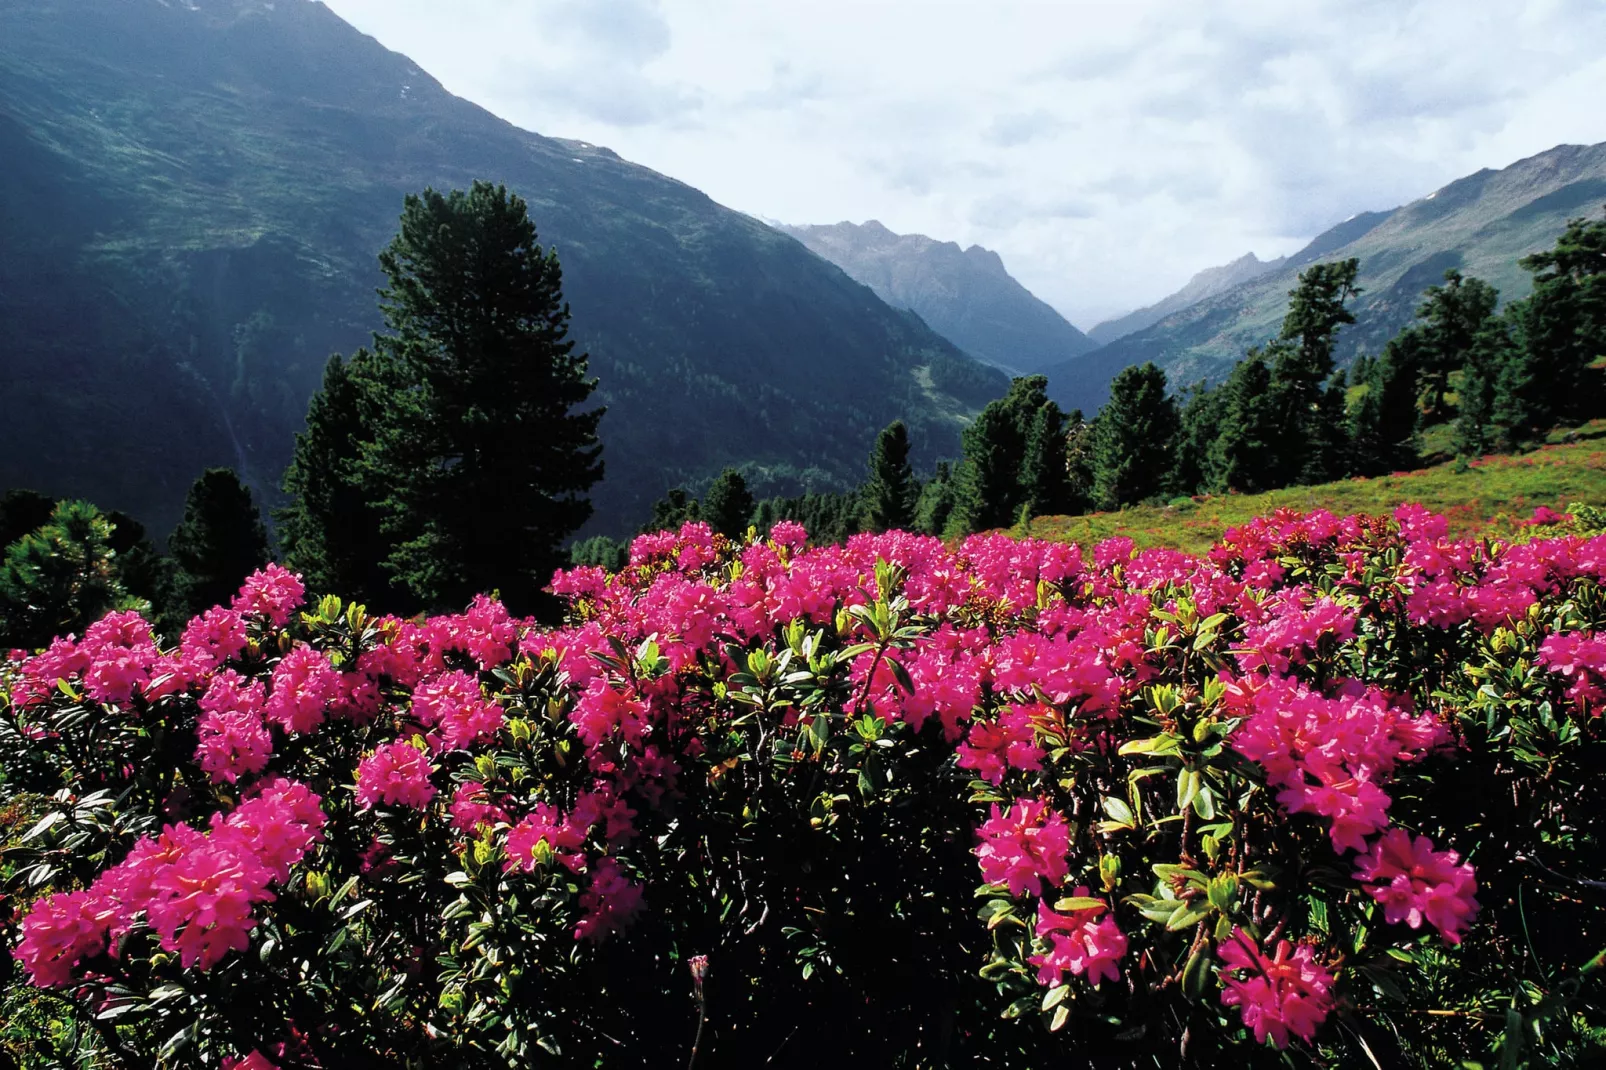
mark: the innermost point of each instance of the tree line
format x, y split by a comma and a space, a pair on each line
1286, 415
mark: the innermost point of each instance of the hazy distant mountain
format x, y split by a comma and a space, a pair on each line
192, 195
1480, 225
965, 295
1207, 283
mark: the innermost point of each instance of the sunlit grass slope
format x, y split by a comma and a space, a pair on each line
1487, 495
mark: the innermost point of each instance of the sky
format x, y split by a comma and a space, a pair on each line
1106, 150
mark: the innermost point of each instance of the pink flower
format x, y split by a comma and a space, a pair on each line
277, 826
254, 1061
610, 904
272, 592
1007, 743
304, 686
1023, 846
60, 932
396, 774
201, 902
121, 653
1288, 993
453, 705
232, 743
214, 637
1078, 943
472, 808
1416, 883
563, 836
790, 534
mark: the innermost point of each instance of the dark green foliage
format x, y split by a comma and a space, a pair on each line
1327, 453
331, 531
145, 572
601, 551
1044, 481
1132, 446
1301, 363
891, 492
1383, 426
828, 518
675, 508
218, 543
936, 501
1198, 425
991, 481
1244, 455
728, 505
1562, 330
60, 578
1453, 316
1080, 434
482, 451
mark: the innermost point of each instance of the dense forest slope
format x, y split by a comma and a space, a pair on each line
191, 202
1480, 225
964, 294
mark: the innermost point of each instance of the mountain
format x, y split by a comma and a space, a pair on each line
1207, 283
1480, 225
964, 294
192, 198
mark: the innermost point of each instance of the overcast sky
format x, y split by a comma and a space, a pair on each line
1106, 150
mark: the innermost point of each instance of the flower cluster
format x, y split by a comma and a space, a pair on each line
1287, 992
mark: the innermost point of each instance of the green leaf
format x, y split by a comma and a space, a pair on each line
1079, 902
1196, 974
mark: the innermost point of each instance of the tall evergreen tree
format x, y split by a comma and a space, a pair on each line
1383, 426
1453, 316
218, 543
1561, 329
484, 452
989, 491
1244, 456
673, 510
1476, 432
60, 578
1198, 426
1327, 456
936, 501
1044, 479
1301, 364
891, 493
1080, 434
332, 530
728, 505
1136, 431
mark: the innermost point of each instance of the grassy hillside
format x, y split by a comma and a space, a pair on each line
1489, 495
191, 202
1480, 225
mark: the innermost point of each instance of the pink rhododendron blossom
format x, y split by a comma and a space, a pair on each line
1286, 993
790, 534
305, 684
213, 638
472, 808
272, 592
1023, 847
254, 1061
232, 744
1415, 883
1581, 658
563, 836
1010, 742
1082, 943
60, 932
121, 653
455, 708
396, 774
609, 905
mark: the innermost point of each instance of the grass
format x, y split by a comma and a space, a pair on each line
1488, 495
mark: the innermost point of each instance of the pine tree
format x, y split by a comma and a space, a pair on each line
143, 571
1328, 454
332, 532
484, 453
936, 501
1301, 364
988, 483
1475, 430
1136, 430
1079, 437
728, 505
1562, 330
672, 511
1198, 425
1044, 480
218, 543
1244, 454
1453, 316
1383, 427
891, 493
60, 578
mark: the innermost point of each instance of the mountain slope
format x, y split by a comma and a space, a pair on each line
1480, 225
1207, 283
965, 295
193, 197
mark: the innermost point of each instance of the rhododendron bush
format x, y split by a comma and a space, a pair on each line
1329, 795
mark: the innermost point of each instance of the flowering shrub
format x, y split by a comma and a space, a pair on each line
1329, 794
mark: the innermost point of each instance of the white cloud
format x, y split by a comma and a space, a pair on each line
1107, 150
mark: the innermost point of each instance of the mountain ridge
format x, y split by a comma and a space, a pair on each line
966, 294
219, 177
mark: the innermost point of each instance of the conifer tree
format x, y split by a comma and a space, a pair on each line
484, 454
1302, 362
1244, 455
331, 531
891, 493
672, 511
728, 505
988, 484
1453, 316
1327, 456
936, 501
1383, 427
1136, 430
1198, 425
1475, 430
1044, 480
1079, 437
60, 578
1560, 329
218, 543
